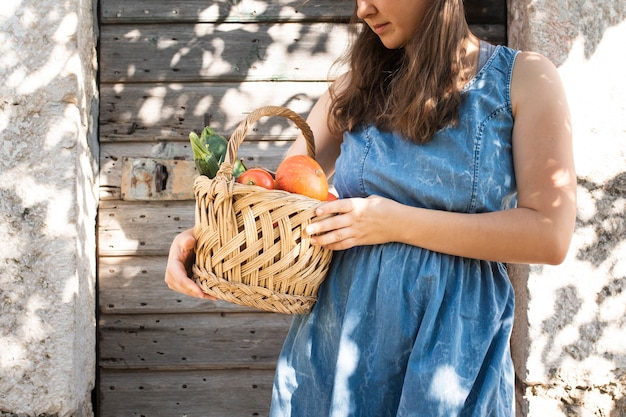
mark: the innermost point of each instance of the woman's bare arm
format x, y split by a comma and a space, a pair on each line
539, 230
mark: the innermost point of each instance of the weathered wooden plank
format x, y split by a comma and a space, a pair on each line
230, 52
112, 155
130, 112
225, 52
141, 228
485, 11
216, 393
135, 285
191, 341
200, 11
255, 153
495, 34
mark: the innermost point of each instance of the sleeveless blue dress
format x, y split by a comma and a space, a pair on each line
399, 330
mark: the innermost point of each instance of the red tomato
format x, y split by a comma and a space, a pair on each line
258, 177
331, 197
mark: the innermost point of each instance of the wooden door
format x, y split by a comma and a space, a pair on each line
167, 68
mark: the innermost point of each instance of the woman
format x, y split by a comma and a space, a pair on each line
451, 158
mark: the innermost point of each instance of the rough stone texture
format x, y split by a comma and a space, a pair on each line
48, 148
575, 363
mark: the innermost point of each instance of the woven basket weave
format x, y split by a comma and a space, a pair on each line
251, 248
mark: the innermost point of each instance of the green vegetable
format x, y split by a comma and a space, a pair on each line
206, 161
209, 151
239, 168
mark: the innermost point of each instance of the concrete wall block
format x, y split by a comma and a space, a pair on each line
47, 207
576, 363
552, 27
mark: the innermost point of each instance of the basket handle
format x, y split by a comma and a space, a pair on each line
240, 132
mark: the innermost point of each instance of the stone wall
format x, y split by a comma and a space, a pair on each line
48, 201
575, 357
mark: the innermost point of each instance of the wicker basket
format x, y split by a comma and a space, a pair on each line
251, 248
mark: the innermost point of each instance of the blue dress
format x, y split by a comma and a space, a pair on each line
399, 330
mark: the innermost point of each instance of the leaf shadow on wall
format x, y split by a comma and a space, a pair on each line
593, 340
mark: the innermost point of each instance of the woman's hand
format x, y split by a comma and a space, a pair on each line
349, 222
179, 264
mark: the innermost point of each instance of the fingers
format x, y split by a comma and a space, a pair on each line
180, 260
184, 241
333, 231
327, 224
177, 280
348, 222
328, 216
334, 240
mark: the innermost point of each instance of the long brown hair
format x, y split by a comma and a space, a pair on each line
415, 89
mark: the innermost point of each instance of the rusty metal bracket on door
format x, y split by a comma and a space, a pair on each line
151, 179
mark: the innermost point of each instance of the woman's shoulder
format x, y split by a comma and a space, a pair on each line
530, 62
535, 78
